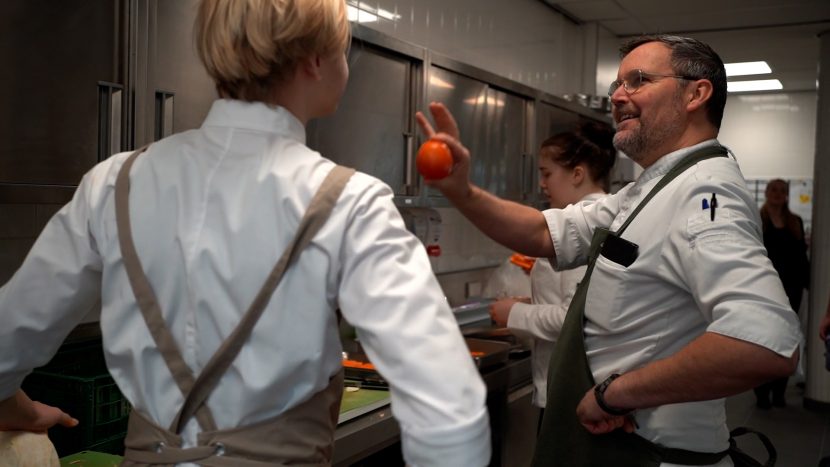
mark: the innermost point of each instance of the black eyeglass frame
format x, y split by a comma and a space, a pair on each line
612, 88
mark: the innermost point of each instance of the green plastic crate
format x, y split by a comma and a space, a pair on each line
77, 381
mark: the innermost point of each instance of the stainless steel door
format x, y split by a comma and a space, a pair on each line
62, 62
175, 93
371, 129
503, 164
466, 98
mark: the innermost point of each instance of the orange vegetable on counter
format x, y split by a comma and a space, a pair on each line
348, 363
358, 364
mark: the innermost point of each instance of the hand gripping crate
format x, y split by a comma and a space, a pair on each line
77, 381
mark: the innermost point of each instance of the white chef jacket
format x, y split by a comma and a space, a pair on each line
212, 210
541, 320
693, 275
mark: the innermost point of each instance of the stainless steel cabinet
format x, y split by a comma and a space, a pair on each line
371, 130
466, 98
492, 126
174, 93
61, 64
506, 160
522, 426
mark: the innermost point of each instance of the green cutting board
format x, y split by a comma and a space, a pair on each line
361, 398
91, 459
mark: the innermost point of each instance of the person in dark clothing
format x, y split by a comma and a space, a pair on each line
787, 249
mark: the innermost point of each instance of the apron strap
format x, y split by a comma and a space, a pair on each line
197, 390
702, 154
315, 217
143, 291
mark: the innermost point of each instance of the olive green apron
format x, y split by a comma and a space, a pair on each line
563, 441
302, 436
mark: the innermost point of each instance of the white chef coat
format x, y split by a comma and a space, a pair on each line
693, 275
212, 209
541, 320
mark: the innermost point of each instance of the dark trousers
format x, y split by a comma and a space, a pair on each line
775, 387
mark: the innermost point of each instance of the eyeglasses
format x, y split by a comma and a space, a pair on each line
635, 79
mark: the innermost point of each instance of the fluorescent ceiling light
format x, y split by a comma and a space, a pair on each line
363, 13
757, 85
747, 68
360, 16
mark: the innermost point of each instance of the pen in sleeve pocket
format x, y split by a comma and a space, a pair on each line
712, 205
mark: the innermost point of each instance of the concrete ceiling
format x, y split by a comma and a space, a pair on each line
784, 33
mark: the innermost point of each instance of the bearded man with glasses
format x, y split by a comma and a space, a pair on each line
680, 306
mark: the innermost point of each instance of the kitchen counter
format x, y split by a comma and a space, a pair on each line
360, 436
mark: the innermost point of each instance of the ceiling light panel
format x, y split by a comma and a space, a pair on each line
747, 68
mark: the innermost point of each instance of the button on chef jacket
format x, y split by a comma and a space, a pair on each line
212, 210
693, 275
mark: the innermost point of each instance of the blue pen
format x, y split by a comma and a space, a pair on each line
713, 204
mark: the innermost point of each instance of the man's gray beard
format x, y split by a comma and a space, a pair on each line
644, 140
634, 146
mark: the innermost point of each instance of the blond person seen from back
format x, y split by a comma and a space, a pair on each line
210, 212
682, 307
573, 167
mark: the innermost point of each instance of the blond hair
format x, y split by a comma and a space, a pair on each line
249, 46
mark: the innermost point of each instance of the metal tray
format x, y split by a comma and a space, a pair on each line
487, 353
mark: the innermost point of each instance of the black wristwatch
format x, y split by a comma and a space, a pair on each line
599, 394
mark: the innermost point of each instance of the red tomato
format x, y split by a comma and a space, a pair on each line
434, 160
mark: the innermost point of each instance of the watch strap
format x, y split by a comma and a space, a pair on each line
599, 395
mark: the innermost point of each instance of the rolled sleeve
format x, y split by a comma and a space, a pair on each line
768, 328
572, 228
735, 285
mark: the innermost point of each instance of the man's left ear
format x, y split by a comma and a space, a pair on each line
699, 94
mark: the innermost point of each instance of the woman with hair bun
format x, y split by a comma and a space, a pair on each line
574, 167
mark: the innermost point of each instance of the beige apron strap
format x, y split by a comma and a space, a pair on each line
315, 217
143, 291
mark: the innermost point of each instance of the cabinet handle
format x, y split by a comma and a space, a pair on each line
164, 114
409, 141
110, 100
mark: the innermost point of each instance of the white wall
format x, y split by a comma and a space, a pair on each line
522, 40
772, 135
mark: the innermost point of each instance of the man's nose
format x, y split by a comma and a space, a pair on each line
619, 96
